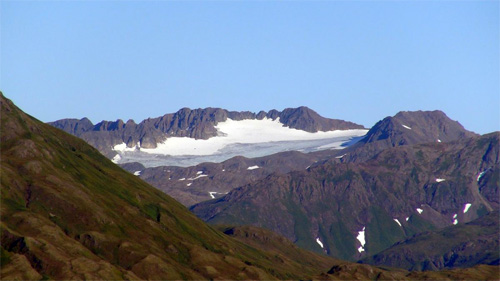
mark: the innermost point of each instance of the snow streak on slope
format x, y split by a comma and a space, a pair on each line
249, 138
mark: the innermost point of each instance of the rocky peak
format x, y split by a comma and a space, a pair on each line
407, 128
412, 127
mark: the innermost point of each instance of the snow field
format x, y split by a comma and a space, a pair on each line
242, 132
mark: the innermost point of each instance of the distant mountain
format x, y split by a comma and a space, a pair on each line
462, 245
406, 128
400, 192
205, 181
186, 186
196, 123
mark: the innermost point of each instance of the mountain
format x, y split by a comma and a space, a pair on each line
196, 123
69, 213
191, 185
359, 209
406, 128
462, 245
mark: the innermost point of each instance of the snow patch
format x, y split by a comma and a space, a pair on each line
439, 140
361, 239
189, 184
183, 179
223, 170
212, 194
116, 159
137, 173
466, 207
396, 220
123, 147
253, 167
455, 216
406, 127
319, 242
199, 172
440, 180
308, 167
481, 174
419, 210
407, 218
338, 157
455, 221
197, 177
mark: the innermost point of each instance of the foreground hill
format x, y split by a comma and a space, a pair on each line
354, 210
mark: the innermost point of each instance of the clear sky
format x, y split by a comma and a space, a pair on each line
354, 60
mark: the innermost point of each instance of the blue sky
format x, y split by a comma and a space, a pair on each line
359, 61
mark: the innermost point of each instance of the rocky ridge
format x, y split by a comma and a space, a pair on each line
193, 123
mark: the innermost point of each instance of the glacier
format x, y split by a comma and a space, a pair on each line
248, 138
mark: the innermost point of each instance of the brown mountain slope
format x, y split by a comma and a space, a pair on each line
422, 187
461, 245
69, 213
219, 178
191, 185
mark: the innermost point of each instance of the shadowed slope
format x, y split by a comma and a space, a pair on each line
461, 245
400, 192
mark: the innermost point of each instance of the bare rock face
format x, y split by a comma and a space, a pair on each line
192, 123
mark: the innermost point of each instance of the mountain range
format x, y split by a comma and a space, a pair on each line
69, 213
192, 123
396, 194
382, 196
